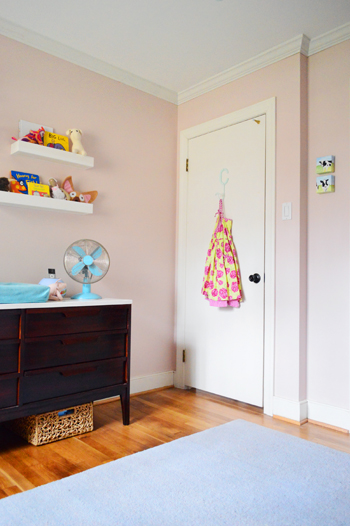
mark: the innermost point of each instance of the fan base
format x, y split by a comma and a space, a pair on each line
86, 296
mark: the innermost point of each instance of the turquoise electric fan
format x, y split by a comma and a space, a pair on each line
86, 261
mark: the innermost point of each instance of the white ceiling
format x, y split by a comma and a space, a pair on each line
175, 44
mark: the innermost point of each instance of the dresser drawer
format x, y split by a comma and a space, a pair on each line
9, 324
73, 349
8, 392
74, 320
8, 357
42, 385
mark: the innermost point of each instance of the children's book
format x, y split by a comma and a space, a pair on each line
42, 190
53, 140
22, 179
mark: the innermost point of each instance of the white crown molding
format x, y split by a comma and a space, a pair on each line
33, 39
299, 44
336, 36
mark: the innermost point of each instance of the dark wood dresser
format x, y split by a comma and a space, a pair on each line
56, 355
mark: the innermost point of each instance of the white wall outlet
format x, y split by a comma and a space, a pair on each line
286, 211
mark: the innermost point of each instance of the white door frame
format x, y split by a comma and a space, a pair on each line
266, 108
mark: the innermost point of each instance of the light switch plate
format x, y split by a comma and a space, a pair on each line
286, 211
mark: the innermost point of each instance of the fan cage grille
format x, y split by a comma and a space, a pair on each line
72, 257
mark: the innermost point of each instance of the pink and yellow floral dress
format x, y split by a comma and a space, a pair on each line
222, 282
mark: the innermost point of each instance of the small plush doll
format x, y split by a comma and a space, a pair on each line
56, 191
4, 184
56, 291
75, 137
83, 197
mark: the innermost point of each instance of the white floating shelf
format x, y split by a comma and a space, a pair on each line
29, 149
46, 203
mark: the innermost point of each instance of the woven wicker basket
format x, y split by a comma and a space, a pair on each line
56, 425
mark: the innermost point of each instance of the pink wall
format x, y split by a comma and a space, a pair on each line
328, 224
132, 136
283, 80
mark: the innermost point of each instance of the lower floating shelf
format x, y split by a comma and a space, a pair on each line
46, 203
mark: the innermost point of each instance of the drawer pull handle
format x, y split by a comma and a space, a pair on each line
78, 371
71, 341
76, 313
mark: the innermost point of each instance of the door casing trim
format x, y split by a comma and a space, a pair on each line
267, 108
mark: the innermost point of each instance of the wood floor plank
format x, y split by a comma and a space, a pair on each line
16, 477
12, 490
156, 418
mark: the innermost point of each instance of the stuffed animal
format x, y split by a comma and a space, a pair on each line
56, 191
34, 136
83, 197
75, 136
57, 290
4, 184
17, 187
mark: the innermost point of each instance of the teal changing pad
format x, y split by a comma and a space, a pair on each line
23, 293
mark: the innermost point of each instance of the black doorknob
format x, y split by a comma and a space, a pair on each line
255, 278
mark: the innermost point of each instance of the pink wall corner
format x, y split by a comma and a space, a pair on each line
132, 136
328, 230
280, 80
304, 146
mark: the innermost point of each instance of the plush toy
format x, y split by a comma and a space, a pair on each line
57, 291
4, 184
34, 136
75, 137
17, 187
83, 197
56, 191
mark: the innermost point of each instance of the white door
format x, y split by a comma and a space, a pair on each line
225, 346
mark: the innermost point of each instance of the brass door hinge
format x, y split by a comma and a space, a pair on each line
186, 165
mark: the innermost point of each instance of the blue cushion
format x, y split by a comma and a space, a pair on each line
23, 293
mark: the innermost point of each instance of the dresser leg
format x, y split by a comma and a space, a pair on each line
125, 401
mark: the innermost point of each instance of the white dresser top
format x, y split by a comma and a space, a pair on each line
66, 302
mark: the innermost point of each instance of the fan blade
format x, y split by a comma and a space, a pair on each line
79, 251
96, 253
77, 268
95, 270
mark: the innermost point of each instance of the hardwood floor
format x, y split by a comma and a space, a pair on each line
156, 417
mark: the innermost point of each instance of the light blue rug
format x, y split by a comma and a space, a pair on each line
237, 474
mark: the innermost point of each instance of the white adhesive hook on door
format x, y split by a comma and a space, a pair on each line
222, 195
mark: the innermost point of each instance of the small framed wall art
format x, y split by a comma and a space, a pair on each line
325, 184
325, 165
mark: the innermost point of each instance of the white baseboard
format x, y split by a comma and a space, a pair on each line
283, 408
329, 415
290, 409
152, 381
309, 410
139, 384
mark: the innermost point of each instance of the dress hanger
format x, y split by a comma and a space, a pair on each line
222, 195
